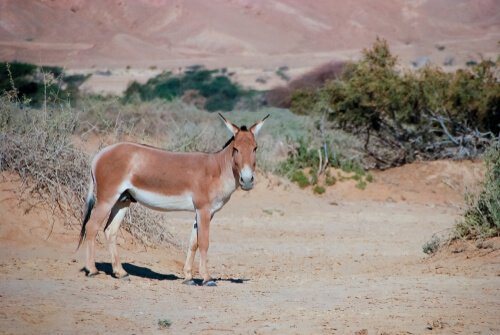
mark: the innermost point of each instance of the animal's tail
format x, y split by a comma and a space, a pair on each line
90, 202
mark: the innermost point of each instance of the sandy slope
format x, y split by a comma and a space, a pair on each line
289, 263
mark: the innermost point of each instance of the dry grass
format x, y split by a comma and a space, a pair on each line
37, 145
177, 126
482, 215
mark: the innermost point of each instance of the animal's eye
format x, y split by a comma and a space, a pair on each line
255, 149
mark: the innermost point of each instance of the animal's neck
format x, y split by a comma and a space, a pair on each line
225, 161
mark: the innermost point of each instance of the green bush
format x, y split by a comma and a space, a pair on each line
400, 115
307, 158
482, 216
300, 178
220, 92
318, 189
39, 84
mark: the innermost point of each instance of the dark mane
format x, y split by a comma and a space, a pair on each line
242, 128
228, 142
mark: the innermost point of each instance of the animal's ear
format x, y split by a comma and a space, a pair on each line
232, 127
256, 127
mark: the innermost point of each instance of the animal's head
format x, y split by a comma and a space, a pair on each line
244, 151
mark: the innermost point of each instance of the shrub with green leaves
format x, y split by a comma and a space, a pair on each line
404, 115
306, 159
482, 216
33, 84
220, 92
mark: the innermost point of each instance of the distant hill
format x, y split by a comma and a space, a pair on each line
242, 33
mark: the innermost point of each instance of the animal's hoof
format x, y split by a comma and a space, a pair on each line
91, 274
124, 276
189, 282
209, 283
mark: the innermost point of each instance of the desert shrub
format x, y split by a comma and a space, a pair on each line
33, 84
164, 323
37, 145
369, 178
300, 178
307, 157
215, 86
402, 116
431, 246
301, 158
361, 184
482, 216
318, 189
330, 180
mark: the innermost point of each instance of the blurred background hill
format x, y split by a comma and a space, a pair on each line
139, 38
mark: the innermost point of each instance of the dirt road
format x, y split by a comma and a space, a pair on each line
289, 262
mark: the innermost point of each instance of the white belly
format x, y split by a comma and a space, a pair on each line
183, 202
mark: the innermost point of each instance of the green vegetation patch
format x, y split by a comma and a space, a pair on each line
482, 216
37, 85
405, 115
214, 87
164, 323
303, 164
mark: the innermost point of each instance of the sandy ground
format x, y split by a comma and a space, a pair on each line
288, 262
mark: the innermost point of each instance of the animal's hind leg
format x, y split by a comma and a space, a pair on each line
101, 211
193, 246
111, 231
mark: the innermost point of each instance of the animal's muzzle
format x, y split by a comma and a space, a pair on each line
246, 184
246, 178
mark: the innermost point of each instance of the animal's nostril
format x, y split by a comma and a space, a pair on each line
241, 180
251, 180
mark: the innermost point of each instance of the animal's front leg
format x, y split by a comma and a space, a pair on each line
193, 246
203, 242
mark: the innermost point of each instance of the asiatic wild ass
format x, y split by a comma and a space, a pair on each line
167, 181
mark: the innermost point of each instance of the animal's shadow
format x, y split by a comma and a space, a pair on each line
137, 271
144, 272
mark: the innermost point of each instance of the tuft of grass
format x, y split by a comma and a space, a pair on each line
432, 245
361, 184
301, 179
481, 219
318, 189
164, 323
330, 180
369, 178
